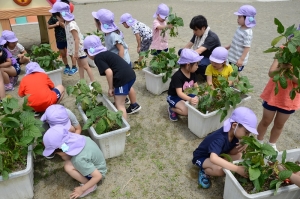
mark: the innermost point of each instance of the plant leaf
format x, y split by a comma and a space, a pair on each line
226, 157
276, 40
2, 140
284, 174
100, 126
89, 122
1, 163
292, 94
280, 27
282, 82
273, 184
283, 157
268, 150
4, 174
254, 173
292, 166
277, 187
271, 50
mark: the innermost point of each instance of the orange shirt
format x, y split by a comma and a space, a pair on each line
282, 99
38, 86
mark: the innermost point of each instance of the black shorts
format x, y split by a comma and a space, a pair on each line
274, 108
61, 45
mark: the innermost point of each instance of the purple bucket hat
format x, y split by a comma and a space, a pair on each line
189, 56
250, 12
2, 41
243, 116
106, 18
162, 10
57, 137
33, 67
127, 18
9, 36
56, 114
93, 45
219, 55
63, 9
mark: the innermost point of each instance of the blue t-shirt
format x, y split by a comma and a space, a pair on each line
217, 143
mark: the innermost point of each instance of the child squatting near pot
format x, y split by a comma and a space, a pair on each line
241, 123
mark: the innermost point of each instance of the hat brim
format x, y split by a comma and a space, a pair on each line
3, 42
53, 10
239, 14
251, 130
12, 40
211, 58
48, 151
68, 17
110, 29
95, 15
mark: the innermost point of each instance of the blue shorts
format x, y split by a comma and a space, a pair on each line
58, 95
18, 69
124, 90
199, 162
61, 45
274, 108
83, 57
88, 177
173, 100
239, 68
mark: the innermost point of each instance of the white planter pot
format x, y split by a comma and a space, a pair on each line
202, 124
112, 143
154, 83
55, 76
233, 189
91, 62
20, 183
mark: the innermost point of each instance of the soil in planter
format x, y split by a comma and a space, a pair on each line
17, 165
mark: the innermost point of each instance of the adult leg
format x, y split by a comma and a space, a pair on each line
279, 122
180, 108
61, 89
83, 65
266, 120
120, 104
70, 169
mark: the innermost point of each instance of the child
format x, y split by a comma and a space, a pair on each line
9, 67
2, 88
84, 160
61, 43
277, 107
184, 78
141, 31
57, 114
39, 88
119, 75
16, 49
218, 67
160, 42
241, 42
241, 123
204, 41
74, 38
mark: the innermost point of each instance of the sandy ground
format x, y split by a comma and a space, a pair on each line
157, 158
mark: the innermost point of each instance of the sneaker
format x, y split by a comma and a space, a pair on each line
36, 114
15, 80
172, 115
50, 157
274, 146
90, 86
11, 80
9, 87
67, 70
133, 108
127, 101
73, 71
88, 191
203, 179
260, 141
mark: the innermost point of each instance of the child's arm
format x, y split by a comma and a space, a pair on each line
77, 41
6, 64
161, 27
239, 63
215, 159
109, 77
182, 95
138, 40
227, 47
53, 25
209, 81
120, 48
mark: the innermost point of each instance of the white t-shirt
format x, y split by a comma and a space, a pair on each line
17, 50
72, 25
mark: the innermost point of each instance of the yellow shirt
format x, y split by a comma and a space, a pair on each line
211, 71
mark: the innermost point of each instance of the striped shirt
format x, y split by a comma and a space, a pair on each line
242, 38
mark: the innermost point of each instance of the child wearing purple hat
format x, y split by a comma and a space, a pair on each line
184, 78
9, 67
241, 42
84, 160
241, 123
74, 39
141, 31
14, 47
218, 67
160, 42
120, 76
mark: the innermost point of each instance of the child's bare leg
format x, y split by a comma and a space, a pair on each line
83, 65
61, 89
212, 169
63, 54
180, 108
2, 89
279, 122
73, 61
120, 104
11, 71
70, 169
5, 77
266, 120
132, 95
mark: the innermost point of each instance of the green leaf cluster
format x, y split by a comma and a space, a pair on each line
260, 162
287, 55
18, 129
102, 119
97, 33
175, 22
45, 57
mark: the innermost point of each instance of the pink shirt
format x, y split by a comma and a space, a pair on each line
282, 99
159, 42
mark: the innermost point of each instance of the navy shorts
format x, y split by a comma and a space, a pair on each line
61, 45
173, 100
18, 69
159, 51
83, 57
124, 90
58, 95
199, 162
239, 68
88, 177
274, 108
18, 61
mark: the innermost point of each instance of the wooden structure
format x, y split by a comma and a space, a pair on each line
40, 8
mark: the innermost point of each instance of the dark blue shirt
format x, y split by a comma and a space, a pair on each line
217, 143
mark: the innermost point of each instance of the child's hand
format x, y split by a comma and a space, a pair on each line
20, 56
138, 49
241, 147
76, 193
57, 23
76, 56
227, 47
194, 100
110, 92
239, 63
241, 171
169, 26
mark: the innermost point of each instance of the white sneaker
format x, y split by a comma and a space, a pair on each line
260, 141
274, 146
90, 86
